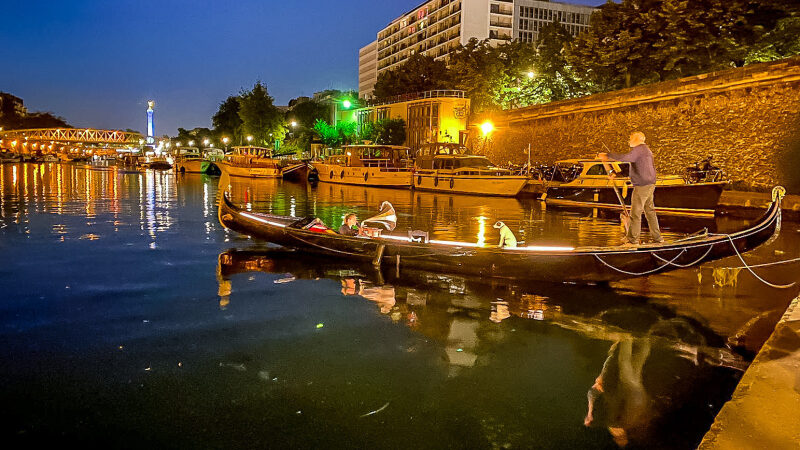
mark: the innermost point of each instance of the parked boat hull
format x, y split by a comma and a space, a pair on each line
363, 176
503, 186
698, 199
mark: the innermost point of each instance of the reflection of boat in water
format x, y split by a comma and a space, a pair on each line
256, 162
546, 263
657, 361
367, 165
446, 167
584, 182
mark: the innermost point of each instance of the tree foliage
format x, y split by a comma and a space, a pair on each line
643, 41
260, 117
390, 131
343, 133
226, 121
419, 73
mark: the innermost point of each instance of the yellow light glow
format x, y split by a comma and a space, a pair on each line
487, 127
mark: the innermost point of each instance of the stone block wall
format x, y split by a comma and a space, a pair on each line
747, 119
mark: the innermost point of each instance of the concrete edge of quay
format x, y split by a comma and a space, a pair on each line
764, 411
751, 205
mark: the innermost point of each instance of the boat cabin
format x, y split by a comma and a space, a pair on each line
454, 157
382, 156
252, 157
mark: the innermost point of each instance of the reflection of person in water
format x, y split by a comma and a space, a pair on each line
384, 296
620, 389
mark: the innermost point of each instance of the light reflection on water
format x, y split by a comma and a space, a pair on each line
125, 285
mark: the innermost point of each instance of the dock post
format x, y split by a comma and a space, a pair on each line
378, 256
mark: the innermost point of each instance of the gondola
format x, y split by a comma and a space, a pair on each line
531, 262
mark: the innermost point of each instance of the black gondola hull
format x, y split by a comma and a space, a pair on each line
583, 265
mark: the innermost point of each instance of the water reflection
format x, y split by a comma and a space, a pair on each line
95, 252
656, 361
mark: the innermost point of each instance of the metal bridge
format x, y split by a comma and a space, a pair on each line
60, 140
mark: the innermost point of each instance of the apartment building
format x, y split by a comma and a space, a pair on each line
437, 27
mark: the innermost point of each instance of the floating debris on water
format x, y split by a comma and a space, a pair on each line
320, 325
376, 411
284, 280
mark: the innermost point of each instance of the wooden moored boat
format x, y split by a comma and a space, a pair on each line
447, 167
368, 165
585, 183
546, 263
256, 162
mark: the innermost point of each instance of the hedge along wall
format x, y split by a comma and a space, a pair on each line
747, 119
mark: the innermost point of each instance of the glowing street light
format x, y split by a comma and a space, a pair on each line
178, 144
347, 104
249, 139
294, 124
225, 141
531, 74
206, 142
191, 143
487, 127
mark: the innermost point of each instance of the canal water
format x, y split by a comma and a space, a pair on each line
130, 318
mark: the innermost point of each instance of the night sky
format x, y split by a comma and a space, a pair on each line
96, 63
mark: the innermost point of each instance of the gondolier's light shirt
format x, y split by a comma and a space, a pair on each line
643, 170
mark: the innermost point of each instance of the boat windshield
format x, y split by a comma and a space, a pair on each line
478, 162
566, 171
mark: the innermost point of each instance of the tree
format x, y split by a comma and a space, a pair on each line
643, 41
260, 117
553, 77
390, 131
419, 73
226, 121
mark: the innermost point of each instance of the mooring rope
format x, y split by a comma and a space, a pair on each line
749, 269
642, 273
683, 266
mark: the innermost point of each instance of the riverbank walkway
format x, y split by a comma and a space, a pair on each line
764, 412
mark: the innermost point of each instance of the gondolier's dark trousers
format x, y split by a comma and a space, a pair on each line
642, 202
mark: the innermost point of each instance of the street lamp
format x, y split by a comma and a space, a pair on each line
191, 143
294, 124
225, 141
205, 142
249, 139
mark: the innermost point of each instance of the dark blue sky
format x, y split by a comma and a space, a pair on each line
96, 63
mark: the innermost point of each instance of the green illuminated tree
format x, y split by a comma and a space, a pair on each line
390, 131
260, 117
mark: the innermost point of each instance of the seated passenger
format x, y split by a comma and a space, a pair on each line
507, 238
347, 229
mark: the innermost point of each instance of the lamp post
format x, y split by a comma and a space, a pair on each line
249, 139
225, 141
206, 142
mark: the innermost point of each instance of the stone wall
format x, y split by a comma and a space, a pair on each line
747, 119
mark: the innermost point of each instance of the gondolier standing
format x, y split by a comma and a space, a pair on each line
643, 178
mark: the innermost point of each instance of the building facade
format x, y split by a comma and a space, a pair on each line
436, 27
12, 106
433, 116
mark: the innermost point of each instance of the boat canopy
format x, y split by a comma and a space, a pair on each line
442, 148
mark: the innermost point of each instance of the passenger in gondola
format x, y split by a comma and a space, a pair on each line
643, 178
507, 238
350, 226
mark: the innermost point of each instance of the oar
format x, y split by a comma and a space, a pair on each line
625, 217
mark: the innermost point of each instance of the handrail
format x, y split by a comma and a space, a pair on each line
418, 96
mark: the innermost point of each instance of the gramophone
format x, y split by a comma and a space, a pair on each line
387, 217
